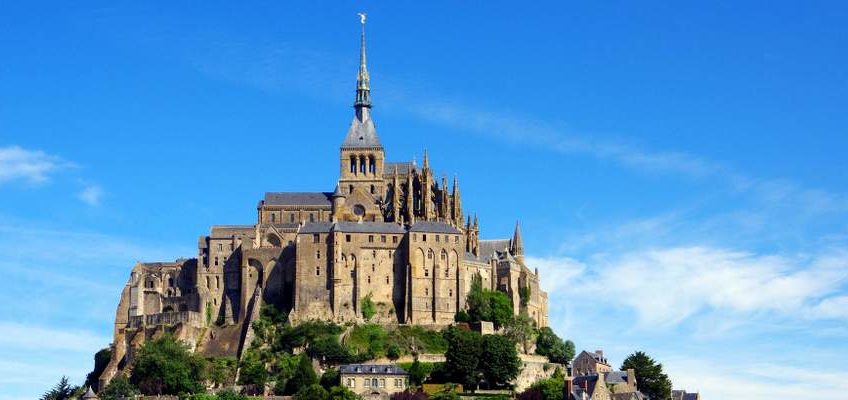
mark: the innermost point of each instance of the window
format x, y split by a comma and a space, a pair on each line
318, 254
387, 279
426, 291
370, 238
316, 238
437, 239
373, 189
170, 282
367, 382
430, 254
311, 217
317, 271
374, 382
273, 218
353, 164
394, 239
217, 282
216, 261
349, 189
450, 292
220, 247
456, 239
291, 217
444, 255
424, 237
426, 271
369, 279
447, 272
347, 238
383, 238
383, 382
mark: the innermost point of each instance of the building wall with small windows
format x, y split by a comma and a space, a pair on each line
369, 380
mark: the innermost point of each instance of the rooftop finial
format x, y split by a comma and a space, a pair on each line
363, 82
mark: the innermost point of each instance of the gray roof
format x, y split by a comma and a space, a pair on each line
368, 227
403, 167
316, 227
361, 134
299, 198
587, 383
368, 369
435, 227
616, 377
227, 231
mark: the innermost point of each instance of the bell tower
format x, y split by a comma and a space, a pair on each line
361, 153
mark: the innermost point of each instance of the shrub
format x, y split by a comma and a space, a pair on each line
368, 309
311, 392
118, 388
166, 366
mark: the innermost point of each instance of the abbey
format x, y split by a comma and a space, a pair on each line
390, 234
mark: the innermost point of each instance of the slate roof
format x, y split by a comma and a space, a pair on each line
299, 198
369, 369
368, 227
587, 383
316, 227
616, 377
361, 134
403, 168
226, 231
435, 227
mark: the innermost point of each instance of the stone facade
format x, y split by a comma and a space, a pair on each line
390, 232
587, 363
373, 380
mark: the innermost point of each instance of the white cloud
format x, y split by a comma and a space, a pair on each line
31, 166
667, 286
19, 336
91, 195
834, 307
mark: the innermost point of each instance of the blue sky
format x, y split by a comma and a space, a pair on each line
679, 170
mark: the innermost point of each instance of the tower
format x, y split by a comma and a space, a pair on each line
517, 244
361, 153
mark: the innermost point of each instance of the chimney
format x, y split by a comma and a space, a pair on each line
631, 378
600, 353
568, 388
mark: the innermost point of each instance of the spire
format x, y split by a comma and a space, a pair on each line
362, 132
426, 159
517, 244
363, 82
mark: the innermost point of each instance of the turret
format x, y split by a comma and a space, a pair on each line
517, 244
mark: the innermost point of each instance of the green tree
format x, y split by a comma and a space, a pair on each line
312, 392
502, 364
417, 373
342, 393
650, 378
118, 388
462, 357
549, 389
221, 371
304, 375
501, 308
166, 366
330, 378
101, 360
229, 394
61, 391
479, 308
393, 352
252, 370
521, 331
550, 345
368, 309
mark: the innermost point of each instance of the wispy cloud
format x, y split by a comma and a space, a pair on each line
683, 282
91, 195
29, 166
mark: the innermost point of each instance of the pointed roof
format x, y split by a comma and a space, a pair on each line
362, 132
517, 242
89, 394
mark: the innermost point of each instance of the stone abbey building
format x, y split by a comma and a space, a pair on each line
389, 231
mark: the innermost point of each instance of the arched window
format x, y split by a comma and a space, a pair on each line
349, 189
353, 165
372, 165
217, 282
273, 218
444, 254
207, 283
362, 164
170, 282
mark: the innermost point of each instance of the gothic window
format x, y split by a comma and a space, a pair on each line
362, 164
353, 164
372, 166
444, 254
220, 247
372, 189
430, 254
